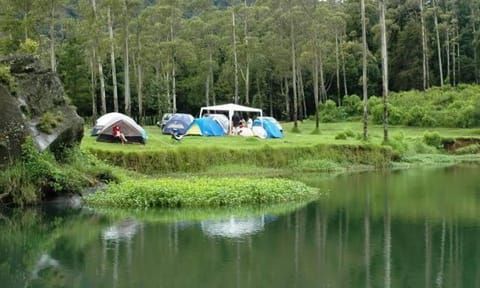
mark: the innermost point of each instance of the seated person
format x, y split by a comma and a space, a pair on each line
118, 133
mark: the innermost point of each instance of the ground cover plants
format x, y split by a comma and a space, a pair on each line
201, 192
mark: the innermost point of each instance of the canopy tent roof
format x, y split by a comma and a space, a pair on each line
231, 109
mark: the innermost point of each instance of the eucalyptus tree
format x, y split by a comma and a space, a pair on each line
234, 52
436, 10
113, 8
319, 27
246, 36
384, 55
364, 71
98, 58
426, 83
203, 32
50, 11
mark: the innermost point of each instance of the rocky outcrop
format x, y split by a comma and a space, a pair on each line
35, 105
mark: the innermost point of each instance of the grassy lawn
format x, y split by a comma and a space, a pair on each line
328, 131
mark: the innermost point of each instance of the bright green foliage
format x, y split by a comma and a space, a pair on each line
330, 113
50, 121
195, 192
6, 77
353, 105
29, 46
433, 139
38, 175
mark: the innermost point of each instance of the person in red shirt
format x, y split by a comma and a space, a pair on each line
118, 133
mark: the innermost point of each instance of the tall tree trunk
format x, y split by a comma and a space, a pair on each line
285, 92
315, 84
323, 90
174, 76
103, 107
159, 94
302, 94
364, 72
235, 61
454, 64
140, 91
53, 61
207, 89
424, 47
447, 49
139, 79
294, 73
383, 45
474, 45
93, 86
345, 90
128, 105
458, 54
112, 60
439, 49
247, 56
337, 65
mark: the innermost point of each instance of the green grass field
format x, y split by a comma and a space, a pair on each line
328, 131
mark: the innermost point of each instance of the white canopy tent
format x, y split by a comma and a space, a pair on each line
231, 109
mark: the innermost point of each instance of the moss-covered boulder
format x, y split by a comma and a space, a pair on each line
34, 103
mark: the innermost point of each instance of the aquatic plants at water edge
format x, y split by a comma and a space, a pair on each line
201, 192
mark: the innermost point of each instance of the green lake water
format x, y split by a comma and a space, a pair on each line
408, 228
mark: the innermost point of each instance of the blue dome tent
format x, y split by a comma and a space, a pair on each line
205, 127
179, 124
271, 129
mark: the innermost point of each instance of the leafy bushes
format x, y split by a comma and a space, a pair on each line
437, 107
39, 176
201, 192
433, 139
49, 121
6, 77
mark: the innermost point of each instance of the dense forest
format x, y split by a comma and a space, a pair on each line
148, 57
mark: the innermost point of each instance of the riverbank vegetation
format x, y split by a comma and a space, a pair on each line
201, 192
39, 176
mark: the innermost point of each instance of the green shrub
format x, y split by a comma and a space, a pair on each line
39, 176
29, 46
49, 121
433, 139
341, 136
352, 105
329, 112
201, 192
6, 77
349, 133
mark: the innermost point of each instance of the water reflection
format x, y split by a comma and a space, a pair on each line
123, 230
401, 229
235, 227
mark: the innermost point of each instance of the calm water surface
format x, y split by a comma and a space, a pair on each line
412, 228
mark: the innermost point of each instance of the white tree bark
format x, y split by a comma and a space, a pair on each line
112, 60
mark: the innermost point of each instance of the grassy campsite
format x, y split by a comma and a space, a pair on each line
239, 165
